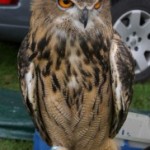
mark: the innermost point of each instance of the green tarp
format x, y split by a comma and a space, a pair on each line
15, 122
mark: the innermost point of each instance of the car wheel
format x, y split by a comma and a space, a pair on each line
131, 18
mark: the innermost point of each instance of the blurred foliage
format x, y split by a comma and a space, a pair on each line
15, 145
8, 66
141, 96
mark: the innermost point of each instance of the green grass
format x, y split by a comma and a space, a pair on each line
15, 145
8, 66
9, 80
141, 96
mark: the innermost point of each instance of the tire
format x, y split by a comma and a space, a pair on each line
148, 148
136, 34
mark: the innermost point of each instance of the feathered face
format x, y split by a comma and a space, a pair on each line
77, 16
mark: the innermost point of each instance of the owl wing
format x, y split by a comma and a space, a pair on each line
28, 82
27, 78
122, 71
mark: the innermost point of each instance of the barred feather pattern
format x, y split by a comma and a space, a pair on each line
73, 92
67, 81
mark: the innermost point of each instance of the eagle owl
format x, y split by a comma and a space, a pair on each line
75, 74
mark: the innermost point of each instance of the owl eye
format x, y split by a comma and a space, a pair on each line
97, 5
65, 3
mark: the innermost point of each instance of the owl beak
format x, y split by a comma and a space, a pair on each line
84, 17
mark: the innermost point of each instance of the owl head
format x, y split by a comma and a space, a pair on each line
78, 16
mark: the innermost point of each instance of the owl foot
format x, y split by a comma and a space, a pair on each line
58, 148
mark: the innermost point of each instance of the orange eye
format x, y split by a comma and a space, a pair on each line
97, 5
65, 3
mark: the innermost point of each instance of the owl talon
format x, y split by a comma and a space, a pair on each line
58, 148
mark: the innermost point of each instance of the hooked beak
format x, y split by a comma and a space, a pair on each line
84, 17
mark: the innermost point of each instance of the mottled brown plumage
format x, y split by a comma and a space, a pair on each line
75, 76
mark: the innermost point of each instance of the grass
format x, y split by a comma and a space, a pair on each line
8, 66
141, 96
9, 80
15, 145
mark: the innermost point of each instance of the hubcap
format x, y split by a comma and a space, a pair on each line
134, 28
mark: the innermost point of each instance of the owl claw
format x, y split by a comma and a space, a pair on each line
58, 148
